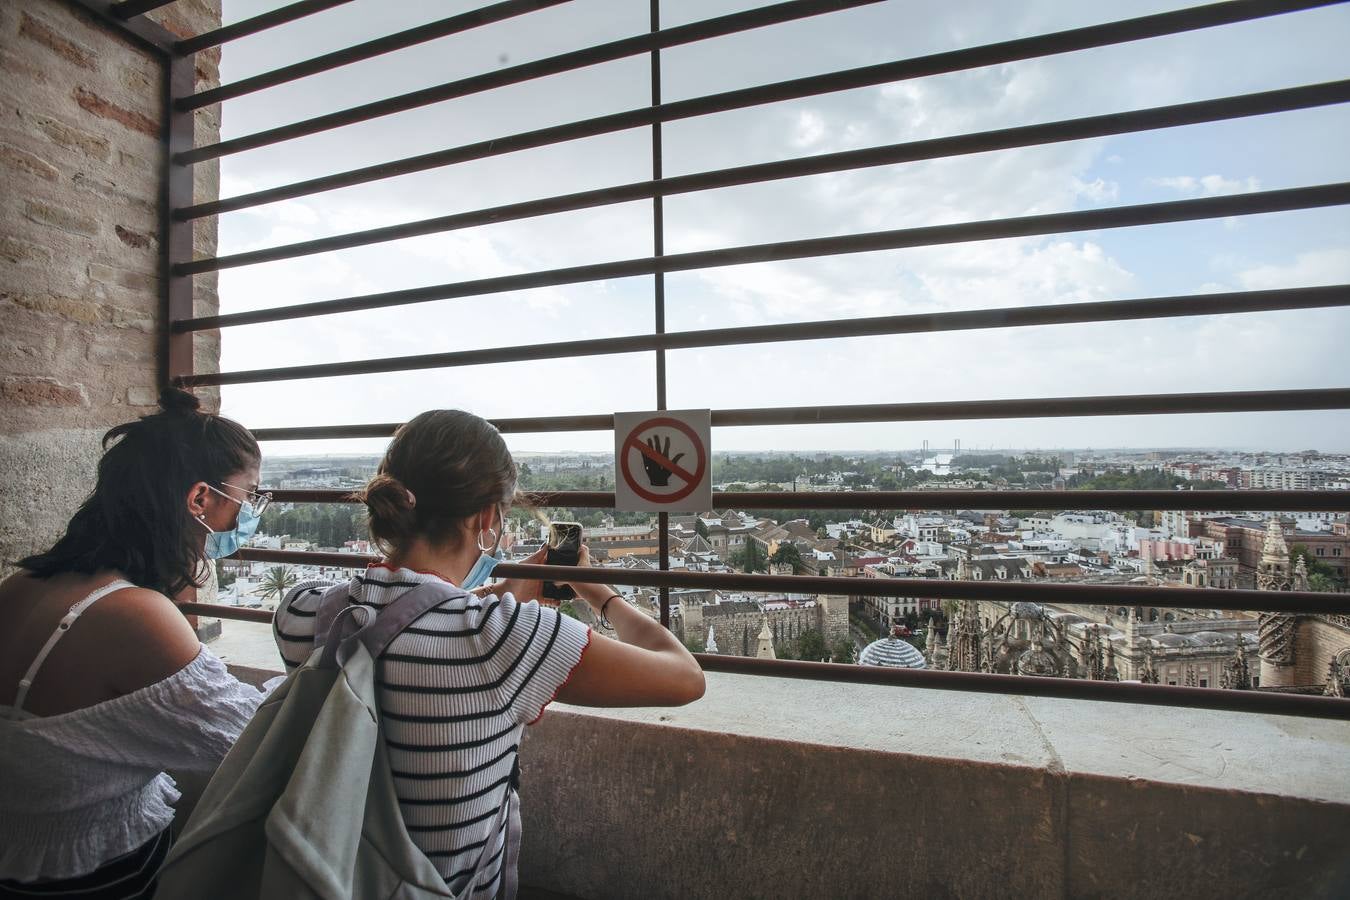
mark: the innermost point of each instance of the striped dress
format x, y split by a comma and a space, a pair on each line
455, 691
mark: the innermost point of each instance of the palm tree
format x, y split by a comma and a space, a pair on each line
276, 582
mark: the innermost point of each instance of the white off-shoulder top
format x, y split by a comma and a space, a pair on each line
83, 787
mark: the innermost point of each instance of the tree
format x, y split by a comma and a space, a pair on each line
277, 581
1321, 575
844, 652
695, 644
811, 646
750, 558
787, 554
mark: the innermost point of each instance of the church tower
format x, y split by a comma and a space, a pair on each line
1275, 630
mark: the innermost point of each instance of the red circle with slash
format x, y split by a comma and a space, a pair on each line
691, 479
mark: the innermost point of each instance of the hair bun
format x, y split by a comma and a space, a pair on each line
177, 400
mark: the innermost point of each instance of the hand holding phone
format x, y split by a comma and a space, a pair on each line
564, 548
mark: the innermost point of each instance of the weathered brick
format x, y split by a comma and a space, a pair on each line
137, 80
49, 36
133, 239
68, 308
37, 391
20, 160
121, 317
125, 278
106, 109
16, 251
16, 64
59, 218
73, 138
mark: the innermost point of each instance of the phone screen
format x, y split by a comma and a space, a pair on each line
564, 547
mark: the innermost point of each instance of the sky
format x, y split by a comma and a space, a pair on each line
1287, 350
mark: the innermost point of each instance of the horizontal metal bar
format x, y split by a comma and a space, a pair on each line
1124, 31
130, 8
1251, 203
642, 43
936, 411
271, 19
456, 24
1251, 701
565, 62
1191, 501
1290, 99
1266, 702
920, 323
146, 33
221, 611
1293, 602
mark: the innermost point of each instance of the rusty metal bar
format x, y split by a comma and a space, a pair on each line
1123, 31
145, 33
431, 31
1257, 701
130, 8
1189, 501
685, 34
1292, 602
176, 357
222, 611
1221, 109
244, 28
939, 411
1251, 203
917, 323
554, 65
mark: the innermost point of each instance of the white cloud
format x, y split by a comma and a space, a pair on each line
1207, 185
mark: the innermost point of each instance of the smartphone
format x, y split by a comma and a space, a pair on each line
564, 547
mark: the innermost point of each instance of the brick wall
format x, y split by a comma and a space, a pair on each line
80, 175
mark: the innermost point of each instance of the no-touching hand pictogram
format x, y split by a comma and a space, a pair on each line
662, 460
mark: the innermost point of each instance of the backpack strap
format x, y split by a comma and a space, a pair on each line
333, 601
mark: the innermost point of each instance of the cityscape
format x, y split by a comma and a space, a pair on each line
1193, 645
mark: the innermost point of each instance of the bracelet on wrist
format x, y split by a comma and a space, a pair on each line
601, 618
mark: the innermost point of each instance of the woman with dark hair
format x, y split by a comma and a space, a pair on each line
104, 681
457, 688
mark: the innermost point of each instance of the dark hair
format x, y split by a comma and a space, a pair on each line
136, 521
453, 462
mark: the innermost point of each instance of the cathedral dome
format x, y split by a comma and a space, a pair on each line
1168, 639
894, 652
1214, 639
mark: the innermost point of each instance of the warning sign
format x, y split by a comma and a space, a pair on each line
661, 461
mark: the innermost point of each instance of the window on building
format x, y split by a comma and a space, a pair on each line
1321, 551
1171, 682
1204, 682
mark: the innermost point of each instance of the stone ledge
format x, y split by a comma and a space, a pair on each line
784, 788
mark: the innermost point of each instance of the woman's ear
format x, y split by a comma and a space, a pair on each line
197, 496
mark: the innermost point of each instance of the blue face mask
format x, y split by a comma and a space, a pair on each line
220, 544
487, 561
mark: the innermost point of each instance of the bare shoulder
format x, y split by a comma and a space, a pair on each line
149, 624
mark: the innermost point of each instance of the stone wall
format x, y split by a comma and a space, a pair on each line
1318, 640
81, 165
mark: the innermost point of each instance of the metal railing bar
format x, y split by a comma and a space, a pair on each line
262, 22
921, 323
1292, 602
1270, 703
1250, 203
1224, 108
1190, 501
1162, 24
147, 33
932, 411
130, 8
780, 12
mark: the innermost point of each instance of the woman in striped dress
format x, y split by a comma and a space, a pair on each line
457, 688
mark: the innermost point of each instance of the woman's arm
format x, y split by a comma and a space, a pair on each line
647, 666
